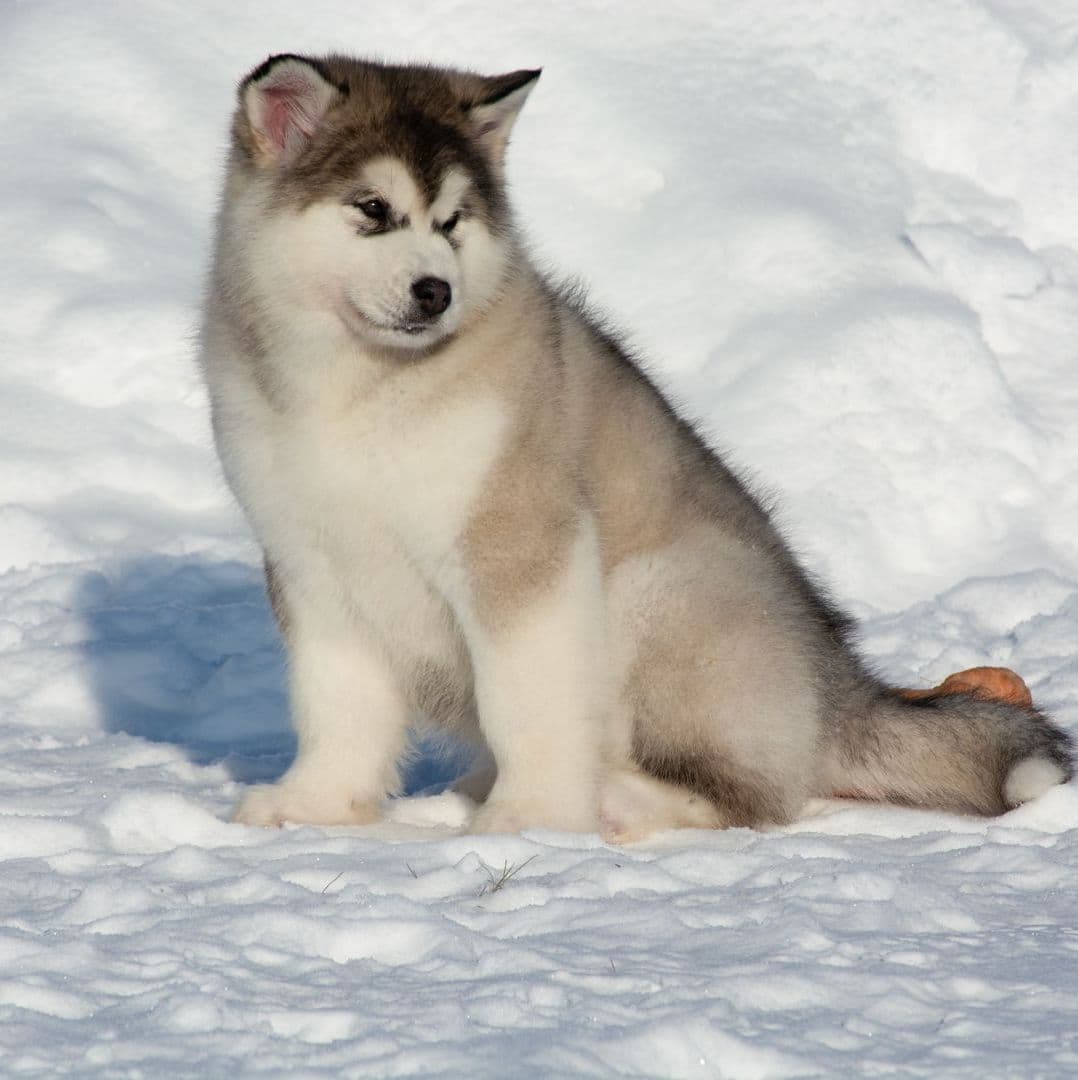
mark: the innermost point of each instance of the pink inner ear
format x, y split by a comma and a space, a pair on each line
290, 110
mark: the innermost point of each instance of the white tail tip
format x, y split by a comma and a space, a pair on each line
1031, 778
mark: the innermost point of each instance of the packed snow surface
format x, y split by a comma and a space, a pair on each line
846, 237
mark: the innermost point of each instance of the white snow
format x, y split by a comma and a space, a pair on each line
846, 237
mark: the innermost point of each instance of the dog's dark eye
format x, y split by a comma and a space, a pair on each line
450, 223
375, 209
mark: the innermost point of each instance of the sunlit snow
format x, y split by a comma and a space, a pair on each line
845, 236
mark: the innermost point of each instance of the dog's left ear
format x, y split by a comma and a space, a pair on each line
496, 108
283, 102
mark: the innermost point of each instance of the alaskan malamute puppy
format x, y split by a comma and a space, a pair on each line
476, 510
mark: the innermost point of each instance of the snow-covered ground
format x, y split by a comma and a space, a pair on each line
846, 234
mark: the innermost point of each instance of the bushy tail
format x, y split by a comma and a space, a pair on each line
954, 752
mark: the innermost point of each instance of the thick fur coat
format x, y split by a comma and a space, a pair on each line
478, 512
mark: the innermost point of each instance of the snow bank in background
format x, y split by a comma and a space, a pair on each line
848, 243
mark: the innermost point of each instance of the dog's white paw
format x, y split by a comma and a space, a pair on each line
632, 806
272, 805
515, 817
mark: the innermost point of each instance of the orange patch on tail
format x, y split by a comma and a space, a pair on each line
991, 683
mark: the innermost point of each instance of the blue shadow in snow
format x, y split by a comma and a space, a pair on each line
185, 651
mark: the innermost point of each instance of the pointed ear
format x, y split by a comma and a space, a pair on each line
283, 102
496, 108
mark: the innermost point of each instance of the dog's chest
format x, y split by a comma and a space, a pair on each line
351, 486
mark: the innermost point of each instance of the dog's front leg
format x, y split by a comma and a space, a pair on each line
349, 715
540, 688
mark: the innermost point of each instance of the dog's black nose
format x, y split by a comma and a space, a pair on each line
433, 295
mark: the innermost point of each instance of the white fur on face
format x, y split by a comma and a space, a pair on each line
328, 257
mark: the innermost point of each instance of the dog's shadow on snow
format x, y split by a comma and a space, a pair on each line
184, 650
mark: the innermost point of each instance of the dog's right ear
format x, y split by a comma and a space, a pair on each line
282, 103
499, 101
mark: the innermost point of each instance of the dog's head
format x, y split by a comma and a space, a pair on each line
378, 190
